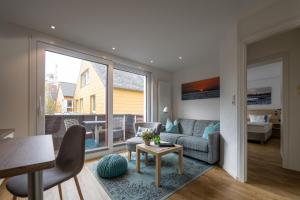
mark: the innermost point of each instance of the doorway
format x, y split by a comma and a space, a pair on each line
270, 163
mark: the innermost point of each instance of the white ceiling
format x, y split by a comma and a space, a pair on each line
141, 30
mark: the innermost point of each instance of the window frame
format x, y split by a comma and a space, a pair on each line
37, 102
93, 103
85, 75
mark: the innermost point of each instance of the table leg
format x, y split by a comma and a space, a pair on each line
180, 161
157, 173
138, 152
35, 185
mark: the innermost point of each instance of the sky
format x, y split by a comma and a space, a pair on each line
67, 67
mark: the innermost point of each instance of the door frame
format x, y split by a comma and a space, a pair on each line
42, 47
242, 92
38, 47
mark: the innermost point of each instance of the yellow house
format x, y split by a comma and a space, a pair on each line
90, 92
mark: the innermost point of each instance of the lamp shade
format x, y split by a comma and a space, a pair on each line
165, 110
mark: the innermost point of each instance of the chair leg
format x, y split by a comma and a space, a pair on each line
78, 187
129, 155
60, 192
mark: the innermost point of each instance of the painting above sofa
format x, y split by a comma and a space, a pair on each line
203, 89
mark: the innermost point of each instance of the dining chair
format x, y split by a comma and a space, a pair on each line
69, 162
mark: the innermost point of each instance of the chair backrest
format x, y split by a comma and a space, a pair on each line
156, 125
72, 150
70, 122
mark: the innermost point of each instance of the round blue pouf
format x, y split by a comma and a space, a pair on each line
112, 165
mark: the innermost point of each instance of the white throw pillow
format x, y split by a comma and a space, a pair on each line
257, 118
141, 130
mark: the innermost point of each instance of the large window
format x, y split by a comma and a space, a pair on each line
69, 80
77, 91
129, 100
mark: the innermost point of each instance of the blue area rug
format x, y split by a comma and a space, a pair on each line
133, 185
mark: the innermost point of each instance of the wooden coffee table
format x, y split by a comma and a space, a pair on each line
158, 152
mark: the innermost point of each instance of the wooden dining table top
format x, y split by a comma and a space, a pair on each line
25, 155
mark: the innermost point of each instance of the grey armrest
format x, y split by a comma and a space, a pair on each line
213, 147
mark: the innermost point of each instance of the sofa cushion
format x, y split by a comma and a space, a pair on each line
186, 126
199, 127
170, 137
194, 143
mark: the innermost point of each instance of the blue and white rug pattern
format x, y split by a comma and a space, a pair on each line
134, 186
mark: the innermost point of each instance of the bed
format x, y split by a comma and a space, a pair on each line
259, 131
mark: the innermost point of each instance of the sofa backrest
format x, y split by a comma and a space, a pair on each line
200, 125
186, 126
193, 127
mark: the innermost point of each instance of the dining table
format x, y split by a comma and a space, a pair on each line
29, 155
97, 130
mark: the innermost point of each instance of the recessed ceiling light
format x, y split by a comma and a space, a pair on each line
180, 58
151, 61
52, 27
114, 48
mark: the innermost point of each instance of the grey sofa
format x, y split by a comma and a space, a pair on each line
132, 142
190, 137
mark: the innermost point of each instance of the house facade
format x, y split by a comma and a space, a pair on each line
90, 92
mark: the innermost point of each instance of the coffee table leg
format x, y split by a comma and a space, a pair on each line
157, 173
35, 185
138, 152
180, 161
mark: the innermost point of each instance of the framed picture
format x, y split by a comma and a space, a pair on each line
259, 96
203, 89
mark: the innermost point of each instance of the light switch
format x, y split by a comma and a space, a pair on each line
298, 89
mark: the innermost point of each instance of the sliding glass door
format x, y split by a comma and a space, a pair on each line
75, 88
75, 94
129, 103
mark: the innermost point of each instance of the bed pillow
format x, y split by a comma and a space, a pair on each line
257, 118
141, 130
267, 118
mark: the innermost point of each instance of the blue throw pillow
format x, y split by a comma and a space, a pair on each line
171, 127
212, 128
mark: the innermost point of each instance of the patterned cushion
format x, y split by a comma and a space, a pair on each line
112, 166
186, 126
194, 143
199, 127
170, 137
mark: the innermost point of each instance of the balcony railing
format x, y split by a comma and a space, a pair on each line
96, 127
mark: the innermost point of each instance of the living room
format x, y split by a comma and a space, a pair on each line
94, 82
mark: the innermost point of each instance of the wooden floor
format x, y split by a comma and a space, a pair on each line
267, 180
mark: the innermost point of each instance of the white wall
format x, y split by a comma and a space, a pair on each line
200, 108
17, 58
289, 43
228, 101
267, 75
